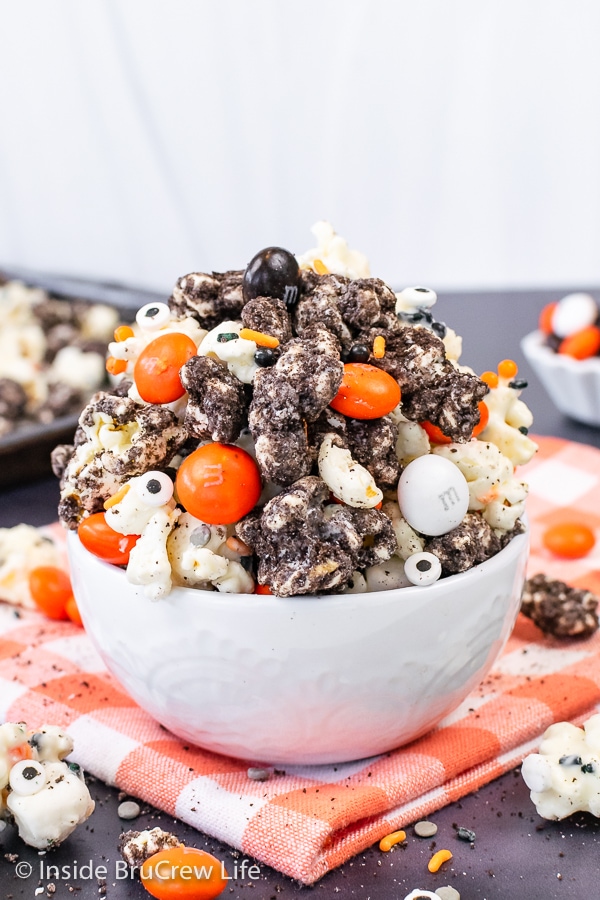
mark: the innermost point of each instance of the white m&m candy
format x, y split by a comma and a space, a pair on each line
572, 313
433, 495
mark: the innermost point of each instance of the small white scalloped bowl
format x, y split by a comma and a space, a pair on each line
573, 385
301, 680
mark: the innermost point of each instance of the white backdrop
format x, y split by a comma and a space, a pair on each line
456, 142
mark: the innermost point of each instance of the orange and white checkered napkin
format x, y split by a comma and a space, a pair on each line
311, 819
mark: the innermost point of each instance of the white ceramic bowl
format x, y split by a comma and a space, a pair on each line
572, 384
303, 679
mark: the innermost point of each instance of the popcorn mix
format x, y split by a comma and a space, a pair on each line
295, 428
52, 354
40, 791
563, 776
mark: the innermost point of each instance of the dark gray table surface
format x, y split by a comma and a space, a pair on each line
516, 855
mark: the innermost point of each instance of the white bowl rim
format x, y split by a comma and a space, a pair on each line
451, 582
535, 348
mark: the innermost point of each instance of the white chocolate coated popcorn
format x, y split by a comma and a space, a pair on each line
408, 540
387, 575
564, 776
493, 489
347, 479
333, 251
149, 564
199, 556
131, 347
238, 353
507, 415
48, 797
23, 548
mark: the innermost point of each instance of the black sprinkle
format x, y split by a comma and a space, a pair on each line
523, 429
439, 328
264, 357
465, 834
571, 760
226, 336
518, 385
588, 768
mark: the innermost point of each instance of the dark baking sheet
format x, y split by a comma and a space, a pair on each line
25, 452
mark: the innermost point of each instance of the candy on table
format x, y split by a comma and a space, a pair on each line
563, 776
45, 795
183, 872
559, 609
571, 540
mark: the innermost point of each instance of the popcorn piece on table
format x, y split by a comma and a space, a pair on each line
46, 796
564, 776
137, 846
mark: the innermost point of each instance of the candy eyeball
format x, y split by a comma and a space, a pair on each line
153, 316
433, 498
273, 272
422, 568
27, 777
154, 488
413, 298
573, 313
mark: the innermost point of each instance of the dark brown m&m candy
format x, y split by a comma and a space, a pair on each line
273, 272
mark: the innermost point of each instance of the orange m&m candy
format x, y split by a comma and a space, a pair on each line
569, 539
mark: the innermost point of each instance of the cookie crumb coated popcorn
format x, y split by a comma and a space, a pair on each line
40, 791
559, 609
564, 775
291, 403
137, 846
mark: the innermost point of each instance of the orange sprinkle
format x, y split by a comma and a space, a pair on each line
115, 366
507, 368
379, 347
582, 344
320, 267
238, 546
490, 378
545, 319
438, 859
265, 340
396, 837
123, 332
116, 498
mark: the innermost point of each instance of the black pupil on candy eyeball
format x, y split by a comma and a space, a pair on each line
150, 313
359, 353
423, 565
264, 356
422, 290
153, 486
439, 328
273, 272
30, 773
